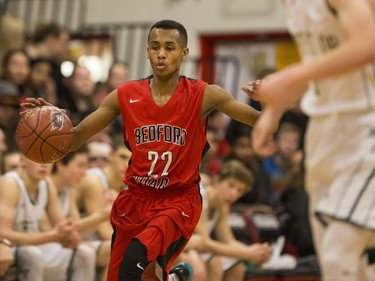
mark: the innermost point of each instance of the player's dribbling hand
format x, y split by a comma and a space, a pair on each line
34, 102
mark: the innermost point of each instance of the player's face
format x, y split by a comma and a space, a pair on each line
165, 52
230, 190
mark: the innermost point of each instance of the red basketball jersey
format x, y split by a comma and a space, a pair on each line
167, 142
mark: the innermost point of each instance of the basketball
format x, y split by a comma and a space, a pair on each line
44, 134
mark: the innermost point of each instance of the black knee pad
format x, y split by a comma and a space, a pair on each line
134, 262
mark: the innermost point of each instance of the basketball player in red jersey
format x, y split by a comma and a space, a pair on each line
165, 117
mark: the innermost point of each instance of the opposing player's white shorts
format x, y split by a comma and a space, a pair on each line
340, 167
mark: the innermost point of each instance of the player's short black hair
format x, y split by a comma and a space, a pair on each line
171, 24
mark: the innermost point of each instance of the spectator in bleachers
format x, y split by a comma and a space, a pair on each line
286, 163
9, 111
3, 142
10, 161
100, 181
288, 197
40, 82
211, 163
80, 96
219, 121
25, 202
11, 33
6, 256
3, 147
16, 68
66, 174
118, 73
50, 41
261, 187
99, 153
224, 255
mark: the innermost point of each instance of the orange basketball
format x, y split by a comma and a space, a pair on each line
44, 134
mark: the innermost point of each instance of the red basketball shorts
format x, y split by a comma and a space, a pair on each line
163, 223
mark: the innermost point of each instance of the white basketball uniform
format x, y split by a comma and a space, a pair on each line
50, 261
227, 262
340, 141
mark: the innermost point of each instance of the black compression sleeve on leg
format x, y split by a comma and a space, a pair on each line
134, 262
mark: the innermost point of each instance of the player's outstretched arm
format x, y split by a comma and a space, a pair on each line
216, 98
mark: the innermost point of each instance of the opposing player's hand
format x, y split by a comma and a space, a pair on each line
263, 143
277, 93
259, 253
6, 258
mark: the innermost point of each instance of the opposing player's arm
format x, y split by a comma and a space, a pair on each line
107, 111
358, 19
215, 97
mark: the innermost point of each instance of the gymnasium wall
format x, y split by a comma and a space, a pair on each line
199, 16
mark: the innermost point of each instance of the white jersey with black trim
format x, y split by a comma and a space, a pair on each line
29, 213
316, 29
